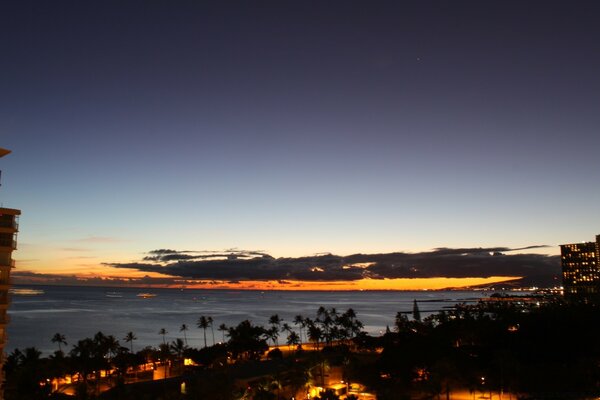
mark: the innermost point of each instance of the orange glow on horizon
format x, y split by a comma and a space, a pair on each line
362, 284
164, 281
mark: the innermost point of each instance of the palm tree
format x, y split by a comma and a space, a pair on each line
314, 333
203, 323
223, 328
321, 312
32, 371
83, 356
301, 323
327, 320
163, 332
272, 334
165, 355
350, 326
212, 329
293, 339
183, 329
357, 328
178, 347
129, 338
286, 327
275, 323
112, 346
247, 339
57, 366
60, 339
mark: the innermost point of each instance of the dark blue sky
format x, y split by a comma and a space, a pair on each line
297, 127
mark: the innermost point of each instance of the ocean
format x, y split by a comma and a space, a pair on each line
80, 312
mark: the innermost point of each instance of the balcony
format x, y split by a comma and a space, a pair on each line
9, 223
11, 243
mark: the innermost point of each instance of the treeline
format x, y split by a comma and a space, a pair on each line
524, 350
548, 350
30, 376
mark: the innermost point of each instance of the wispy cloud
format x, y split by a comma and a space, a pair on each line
99, 239
29, 277
75, 249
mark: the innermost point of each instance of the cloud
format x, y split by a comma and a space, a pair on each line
167, 255
75, 249
29, 277
243, 265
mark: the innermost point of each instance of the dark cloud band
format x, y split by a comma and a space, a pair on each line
442, 262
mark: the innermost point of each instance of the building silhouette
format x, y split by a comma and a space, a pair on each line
9, 226
581, 270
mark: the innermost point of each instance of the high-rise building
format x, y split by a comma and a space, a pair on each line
581, 270
9, 226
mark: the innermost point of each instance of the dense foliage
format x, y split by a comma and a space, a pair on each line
530, 350
538, 351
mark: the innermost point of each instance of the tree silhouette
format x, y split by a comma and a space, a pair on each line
223, 328
111, 346
183, 329
212, 329
203, 323
247, 339
272, 334
301, 323
401, 322
416, 312
163, 332
86, 357
275, 323
314, 332
178, 347
129, 338
60, 339
293, 339
26, 370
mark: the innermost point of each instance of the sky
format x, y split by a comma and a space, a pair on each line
295, 128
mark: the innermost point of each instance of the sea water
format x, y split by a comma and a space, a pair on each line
80, 312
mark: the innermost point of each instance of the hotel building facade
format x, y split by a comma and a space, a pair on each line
581, 270
9, 226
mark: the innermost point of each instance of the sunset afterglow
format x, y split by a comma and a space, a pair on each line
162, 281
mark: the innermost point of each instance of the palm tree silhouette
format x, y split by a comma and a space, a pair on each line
111, 345
314, 332
223, 328
293, 339
178, 347
301, 323
129, 338
275, 323
183, 329
60, 339
163, 332
212, 330
204, 323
